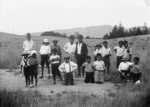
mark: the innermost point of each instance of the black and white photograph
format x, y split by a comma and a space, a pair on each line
74, 53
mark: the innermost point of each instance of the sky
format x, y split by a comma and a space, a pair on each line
22, 16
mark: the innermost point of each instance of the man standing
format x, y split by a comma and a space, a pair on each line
106, 53
28, 46
57, 47
70, 48
81, 52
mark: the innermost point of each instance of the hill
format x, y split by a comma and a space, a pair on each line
3, 34
92, 31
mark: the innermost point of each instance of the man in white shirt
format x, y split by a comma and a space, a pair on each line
28, 46
127, 52
119, 50
124, 68
106, 53
81, 53
70, 48
68, 67
45, 51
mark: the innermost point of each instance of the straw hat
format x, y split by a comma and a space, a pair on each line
99, 44
67, 56
45, 41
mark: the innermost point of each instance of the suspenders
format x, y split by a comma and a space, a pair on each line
26, 63
69, 67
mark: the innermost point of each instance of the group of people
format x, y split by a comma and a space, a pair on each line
77, 62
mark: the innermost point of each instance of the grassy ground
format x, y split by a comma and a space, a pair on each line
127, 96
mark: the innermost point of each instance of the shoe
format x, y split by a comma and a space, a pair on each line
31, 86
48, 77
41, 77
21, 75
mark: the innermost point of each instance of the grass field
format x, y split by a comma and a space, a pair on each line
127, 96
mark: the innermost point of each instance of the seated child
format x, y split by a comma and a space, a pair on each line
124, 69
33, 62
136, 70
68, 67
25, 65
55, 61
99, 68
88, 68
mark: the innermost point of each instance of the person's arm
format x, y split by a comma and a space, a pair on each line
65, 47
33, 47
23, 46
115, 49
61, 68
119, 68
74, 66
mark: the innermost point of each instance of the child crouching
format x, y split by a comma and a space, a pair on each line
33, 62
124, 69
136, 71
99, 68
68, 67
87, 67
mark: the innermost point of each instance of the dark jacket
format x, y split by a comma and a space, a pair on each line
84, 49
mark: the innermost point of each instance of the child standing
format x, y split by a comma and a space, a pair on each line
119, 50
45, 51
99, 68
136, 70
88, 68
55, 61
33, 62
98, 50
25, 64
124, 69
68, 67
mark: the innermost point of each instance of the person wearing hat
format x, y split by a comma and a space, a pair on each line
45, 52
70, 48
55, 62
57, 47
25, 68
28, 46
124, 69
98, 50
33, 67
68, 67
81, 53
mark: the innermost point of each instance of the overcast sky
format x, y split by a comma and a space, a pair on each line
22, 16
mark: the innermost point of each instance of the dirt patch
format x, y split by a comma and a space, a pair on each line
12, 81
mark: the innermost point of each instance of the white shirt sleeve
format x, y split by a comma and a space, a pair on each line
110, 51
119, 68
40, 49
61, 68
74, 66
115, 47
66, 47
23, 45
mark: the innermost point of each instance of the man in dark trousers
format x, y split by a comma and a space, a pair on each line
81, 53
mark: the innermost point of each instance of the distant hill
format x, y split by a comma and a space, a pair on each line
92, 31
7, 34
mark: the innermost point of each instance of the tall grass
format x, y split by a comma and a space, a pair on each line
73, 99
